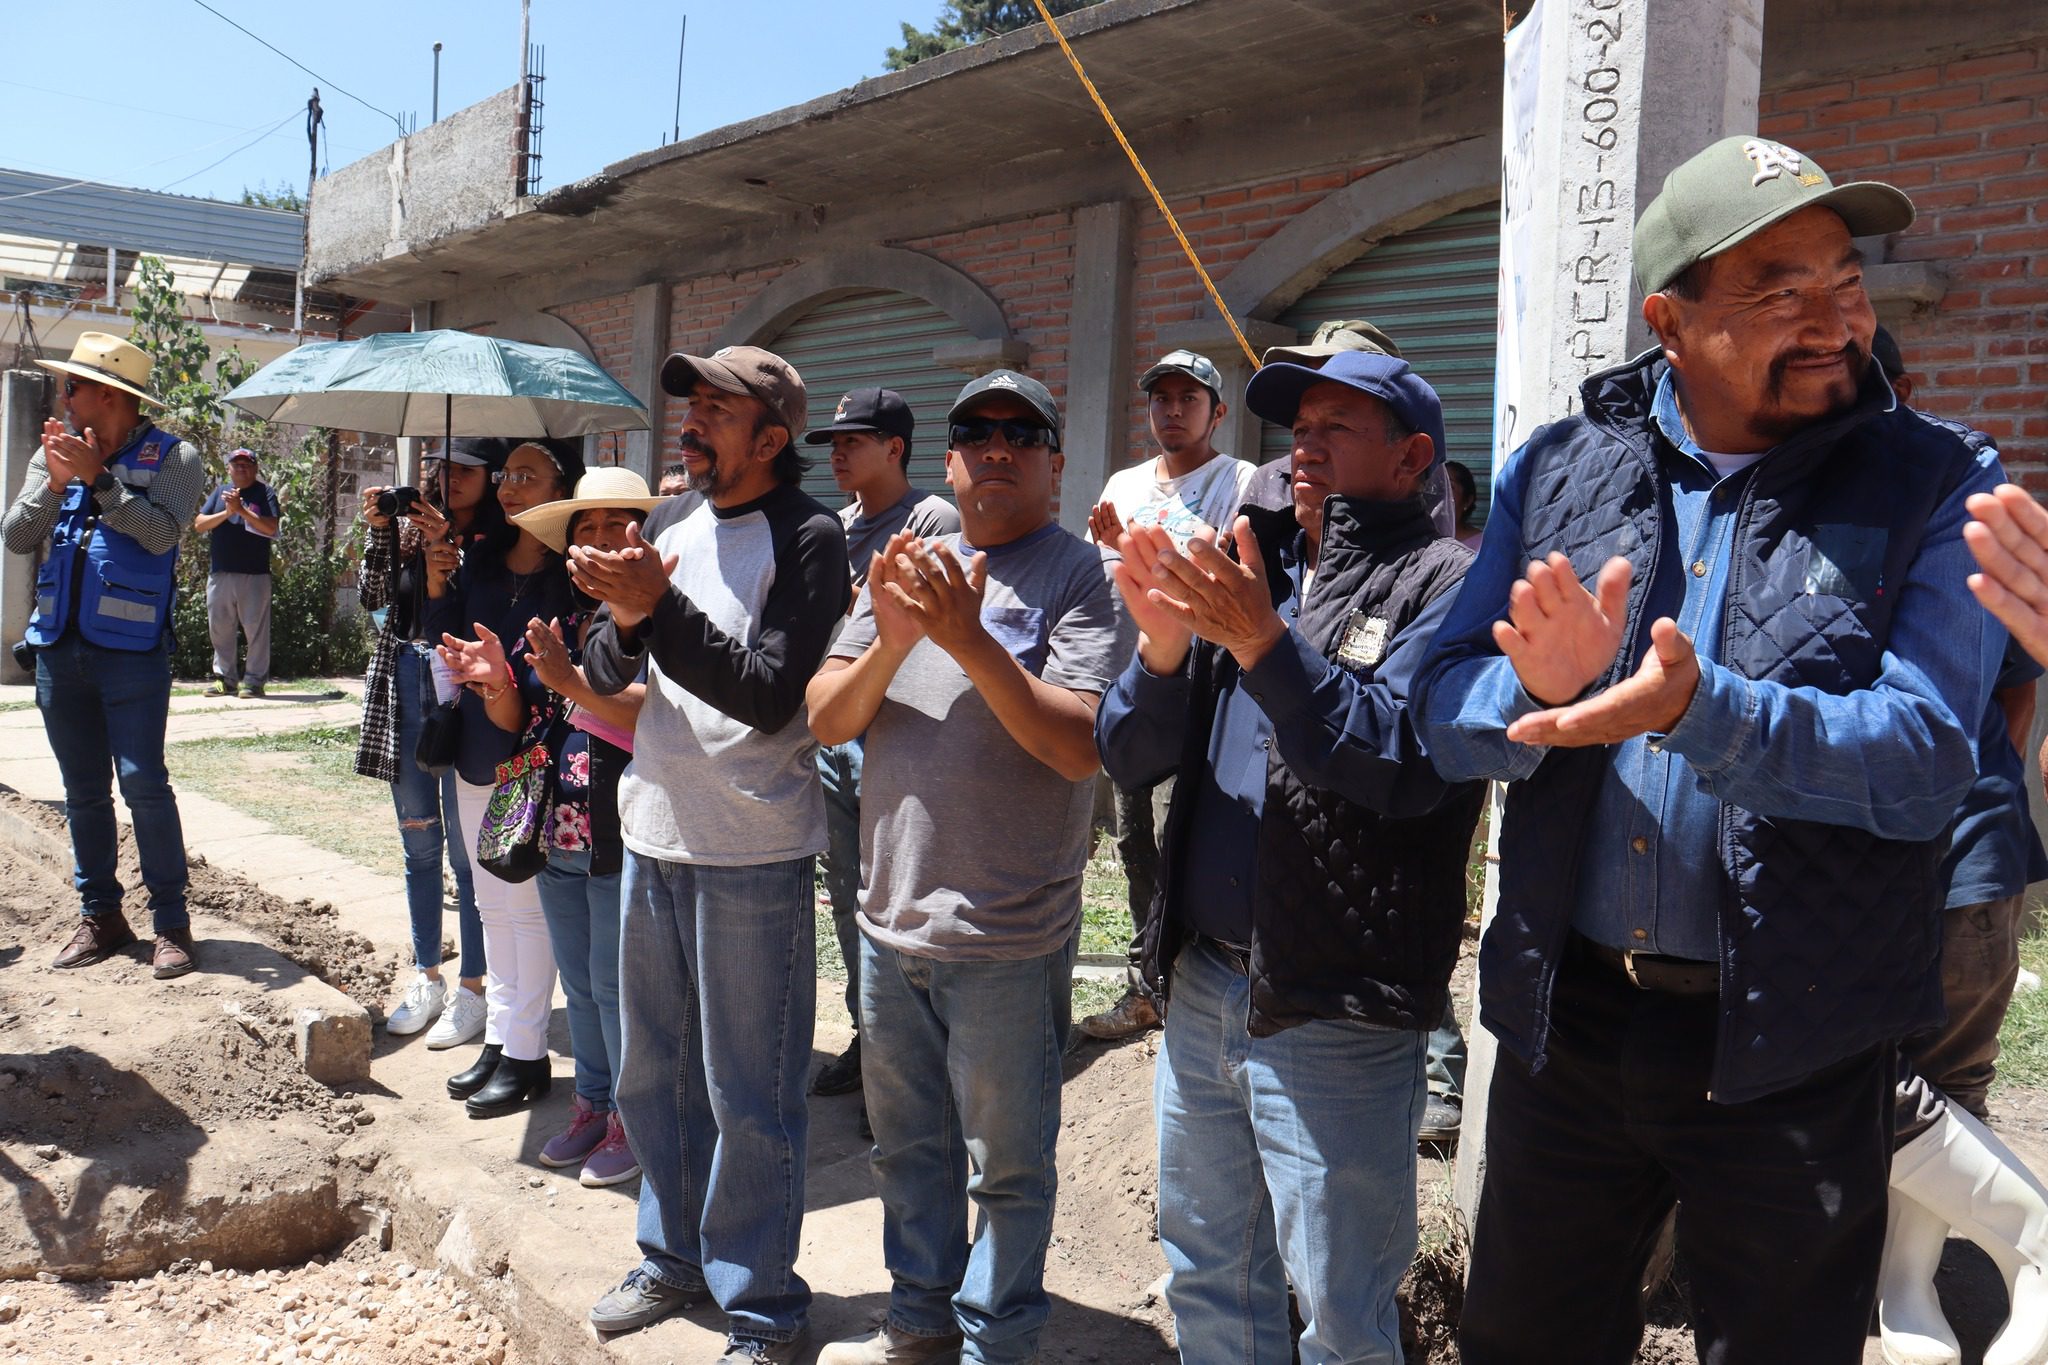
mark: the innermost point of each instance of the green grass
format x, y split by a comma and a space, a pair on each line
17, 705
276, 686
303, 782
2023, 1038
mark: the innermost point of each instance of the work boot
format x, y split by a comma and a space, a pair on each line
1910, 1325
841, 1075
173, 954
641, 1299
1964, 1176
888, 1346
1441, 1116
97, 938
1127, 1018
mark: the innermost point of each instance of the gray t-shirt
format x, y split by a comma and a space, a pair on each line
922, 514
971, 849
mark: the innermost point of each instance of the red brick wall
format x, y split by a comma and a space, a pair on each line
1968, 139
1028, 266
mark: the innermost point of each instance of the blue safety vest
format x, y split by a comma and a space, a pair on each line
123, 591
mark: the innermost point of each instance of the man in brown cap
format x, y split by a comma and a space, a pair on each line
728, 611
109, 494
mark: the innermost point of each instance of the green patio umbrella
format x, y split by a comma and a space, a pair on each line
442, 383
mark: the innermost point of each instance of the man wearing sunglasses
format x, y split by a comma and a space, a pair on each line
109, 494
972, 665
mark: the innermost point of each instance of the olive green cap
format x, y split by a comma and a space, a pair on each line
1332, 338
1738, 187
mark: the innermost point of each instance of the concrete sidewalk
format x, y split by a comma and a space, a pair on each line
535, 1245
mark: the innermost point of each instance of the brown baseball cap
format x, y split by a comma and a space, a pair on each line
744, 369
1332, 338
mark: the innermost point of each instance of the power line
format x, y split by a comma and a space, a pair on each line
130, 189
238, 151
116, 104
301, 65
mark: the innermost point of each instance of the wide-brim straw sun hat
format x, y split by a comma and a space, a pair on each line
605, 486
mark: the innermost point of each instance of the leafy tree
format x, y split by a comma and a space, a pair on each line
305, 638
962, 22
285, 196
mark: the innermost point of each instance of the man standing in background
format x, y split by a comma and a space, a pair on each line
240, 521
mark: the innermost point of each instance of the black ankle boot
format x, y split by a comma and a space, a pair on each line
463, 1084
513, 1084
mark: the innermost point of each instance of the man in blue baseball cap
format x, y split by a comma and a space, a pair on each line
1311, 887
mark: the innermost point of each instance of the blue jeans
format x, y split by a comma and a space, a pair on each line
105, 711
427, 821
1446, 1060
962, 1060
583, 925
1290, 1158
839, 771
718, 999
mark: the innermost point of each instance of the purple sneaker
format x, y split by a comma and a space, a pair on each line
612, 1163
584, 1133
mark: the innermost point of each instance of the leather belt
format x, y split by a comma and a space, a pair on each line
1656, 972
1239, 957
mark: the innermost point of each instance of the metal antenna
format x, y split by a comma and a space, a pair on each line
437, 83
676, 134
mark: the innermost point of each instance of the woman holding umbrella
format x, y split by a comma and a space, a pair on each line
399, 695
503, 583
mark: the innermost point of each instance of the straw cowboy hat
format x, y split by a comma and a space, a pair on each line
605, 486
107, 359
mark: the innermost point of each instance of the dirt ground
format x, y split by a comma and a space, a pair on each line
103, 1100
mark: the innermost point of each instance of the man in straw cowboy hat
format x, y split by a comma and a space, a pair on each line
109, 494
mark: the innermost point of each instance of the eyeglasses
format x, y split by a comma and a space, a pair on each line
72, 386
518, 478
979, 431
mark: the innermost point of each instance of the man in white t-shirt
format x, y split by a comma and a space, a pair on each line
1188, 486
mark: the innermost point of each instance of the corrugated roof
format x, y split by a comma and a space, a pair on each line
53, 208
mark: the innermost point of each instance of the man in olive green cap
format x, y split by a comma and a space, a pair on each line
1718, 643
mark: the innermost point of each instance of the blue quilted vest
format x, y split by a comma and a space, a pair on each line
1829, 939
123, 591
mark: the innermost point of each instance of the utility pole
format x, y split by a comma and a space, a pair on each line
437, 83
676, 134
313, 120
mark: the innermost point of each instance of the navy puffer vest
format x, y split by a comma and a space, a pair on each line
1830, 935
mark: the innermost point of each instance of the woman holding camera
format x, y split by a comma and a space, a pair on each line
409, 530
503, 583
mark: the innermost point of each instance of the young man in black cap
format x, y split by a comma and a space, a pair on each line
1732, 764
1190, 485
870, 439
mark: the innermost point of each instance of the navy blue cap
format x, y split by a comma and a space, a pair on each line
1275, 391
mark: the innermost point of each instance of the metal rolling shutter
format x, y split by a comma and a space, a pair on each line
884, 338
1434, 291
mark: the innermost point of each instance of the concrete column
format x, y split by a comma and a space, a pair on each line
644, 452
1098, 357
24, 402
1603, 99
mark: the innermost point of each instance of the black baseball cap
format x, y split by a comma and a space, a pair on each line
878, 410
1021, 386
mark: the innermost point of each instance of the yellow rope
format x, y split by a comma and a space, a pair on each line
1157, 198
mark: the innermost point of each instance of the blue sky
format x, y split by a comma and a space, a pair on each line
179, 89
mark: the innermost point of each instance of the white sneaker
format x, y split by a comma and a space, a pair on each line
461, 1020
423, 1000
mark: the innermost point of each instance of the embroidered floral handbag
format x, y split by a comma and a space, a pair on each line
511, 844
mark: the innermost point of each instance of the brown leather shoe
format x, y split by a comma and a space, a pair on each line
98, 938
1127, 1018
172, 955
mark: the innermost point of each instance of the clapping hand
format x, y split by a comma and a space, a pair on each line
631, 580
1104, 524
549, 655
1225, 601
1163, 636
897, 623
943, 594
69, 457
2010, 540
478, 663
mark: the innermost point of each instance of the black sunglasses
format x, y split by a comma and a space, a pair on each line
72, 386
979, 431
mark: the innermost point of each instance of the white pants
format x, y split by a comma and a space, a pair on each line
519, 987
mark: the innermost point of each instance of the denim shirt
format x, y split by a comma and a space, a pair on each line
1651, 874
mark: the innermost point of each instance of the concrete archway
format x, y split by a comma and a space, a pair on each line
541, 329
953, 292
